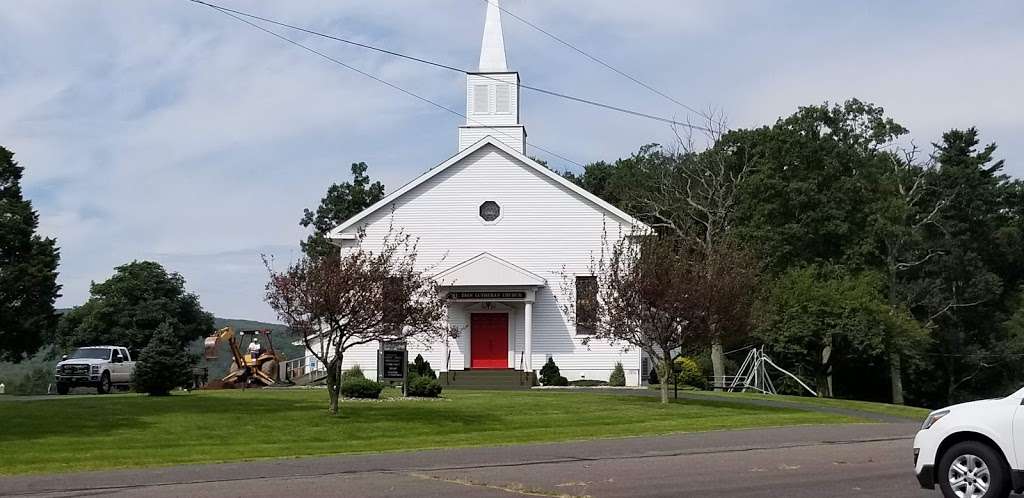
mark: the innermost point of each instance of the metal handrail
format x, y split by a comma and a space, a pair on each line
299, 367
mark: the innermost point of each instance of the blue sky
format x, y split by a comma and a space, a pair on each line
163, 130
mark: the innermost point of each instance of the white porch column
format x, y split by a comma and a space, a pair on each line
528, 346
444, 358
444, 367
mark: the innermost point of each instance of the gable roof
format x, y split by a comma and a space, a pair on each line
337, 233
486, 269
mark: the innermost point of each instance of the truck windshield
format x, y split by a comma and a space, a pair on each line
91, 353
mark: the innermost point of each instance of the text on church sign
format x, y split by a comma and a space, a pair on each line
487, 295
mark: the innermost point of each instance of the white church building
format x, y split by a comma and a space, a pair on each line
505, 237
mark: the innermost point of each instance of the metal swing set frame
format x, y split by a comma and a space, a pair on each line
753, 375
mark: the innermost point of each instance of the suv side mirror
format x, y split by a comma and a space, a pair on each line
63, 357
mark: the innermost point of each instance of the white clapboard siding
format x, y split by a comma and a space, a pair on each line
513, 136
544, 227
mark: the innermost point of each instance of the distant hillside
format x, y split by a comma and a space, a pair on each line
48, 356
242, 324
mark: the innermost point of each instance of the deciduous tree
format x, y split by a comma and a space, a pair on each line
904, 212
811, 314
688, 193
816, 175
660, 294
342, 201
127, 308
361, 297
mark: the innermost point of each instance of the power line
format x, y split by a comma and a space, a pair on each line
552, 93
227, 12
331, 37
595, 59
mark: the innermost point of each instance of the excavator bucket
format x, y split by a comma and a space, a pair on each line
210, 347
210, 343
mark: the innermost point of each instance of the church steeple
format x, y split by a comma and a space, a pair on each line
492, 94
492, 49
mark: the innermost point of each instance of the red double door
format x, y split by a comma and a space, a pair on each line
488, 339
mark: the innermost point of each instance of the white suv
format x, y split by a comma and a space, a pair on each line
973, 450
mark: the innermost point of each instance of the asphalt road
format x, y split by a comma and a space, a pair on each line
814, 461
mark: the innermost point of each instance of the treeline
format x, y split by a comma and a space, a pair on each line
888, 272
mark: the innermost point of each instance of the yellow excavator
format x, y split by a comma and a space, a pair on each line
258, 367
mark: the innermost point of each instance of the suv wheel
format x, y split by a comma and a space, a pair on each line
63, 388
104, 385
973, 470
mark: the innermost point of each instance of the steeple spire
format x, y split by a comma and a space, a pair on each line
492, 50
492, 94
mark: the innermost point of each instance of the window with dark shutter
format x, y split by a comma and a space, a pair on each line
392, 297
586, 304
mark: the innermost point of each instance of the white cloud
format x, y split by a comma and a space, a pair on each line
167, 130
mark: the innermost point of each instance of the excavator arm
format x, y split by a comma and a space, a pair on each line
224, 334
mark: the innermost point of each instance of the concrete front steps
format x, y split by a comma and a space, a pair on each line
503, 379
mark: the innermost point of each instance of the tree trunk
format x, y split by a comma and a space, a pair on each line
896, 373
666, 373
718, 362
334, 384
825, 376
895, 362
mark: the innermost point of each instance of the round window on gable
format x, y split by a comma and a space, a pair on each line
490, 211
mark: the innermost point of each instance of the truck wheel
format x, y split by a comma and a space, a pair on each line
63, 388
973, 470
104, 386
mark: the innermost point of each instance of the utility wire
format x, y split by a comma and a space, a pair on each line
230, 13
595, 59
552, 93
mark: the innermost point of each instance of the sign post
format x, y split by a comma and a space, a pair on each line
392, 363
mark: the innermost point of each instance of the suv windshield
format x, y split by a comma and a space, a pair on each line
91, 353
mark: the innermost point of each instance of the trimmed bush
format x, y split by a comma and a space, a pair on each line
561, 381
618, 376
689, 372
163, 364
421, 368
361, 388
549, 373
352, 374
35, 381
652, 377
423, 387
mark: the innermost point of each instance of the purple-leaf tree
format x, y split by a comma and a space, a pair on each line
663, 295
358, 297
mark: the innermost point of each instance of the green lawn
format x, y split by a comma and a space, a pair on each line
97, 432
909, 412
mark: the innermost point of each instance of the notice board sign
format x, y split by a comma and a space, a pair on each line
392, 362
392, 365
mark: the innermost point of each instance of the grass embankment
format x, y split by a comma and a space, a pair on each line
98, 432
908, 412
